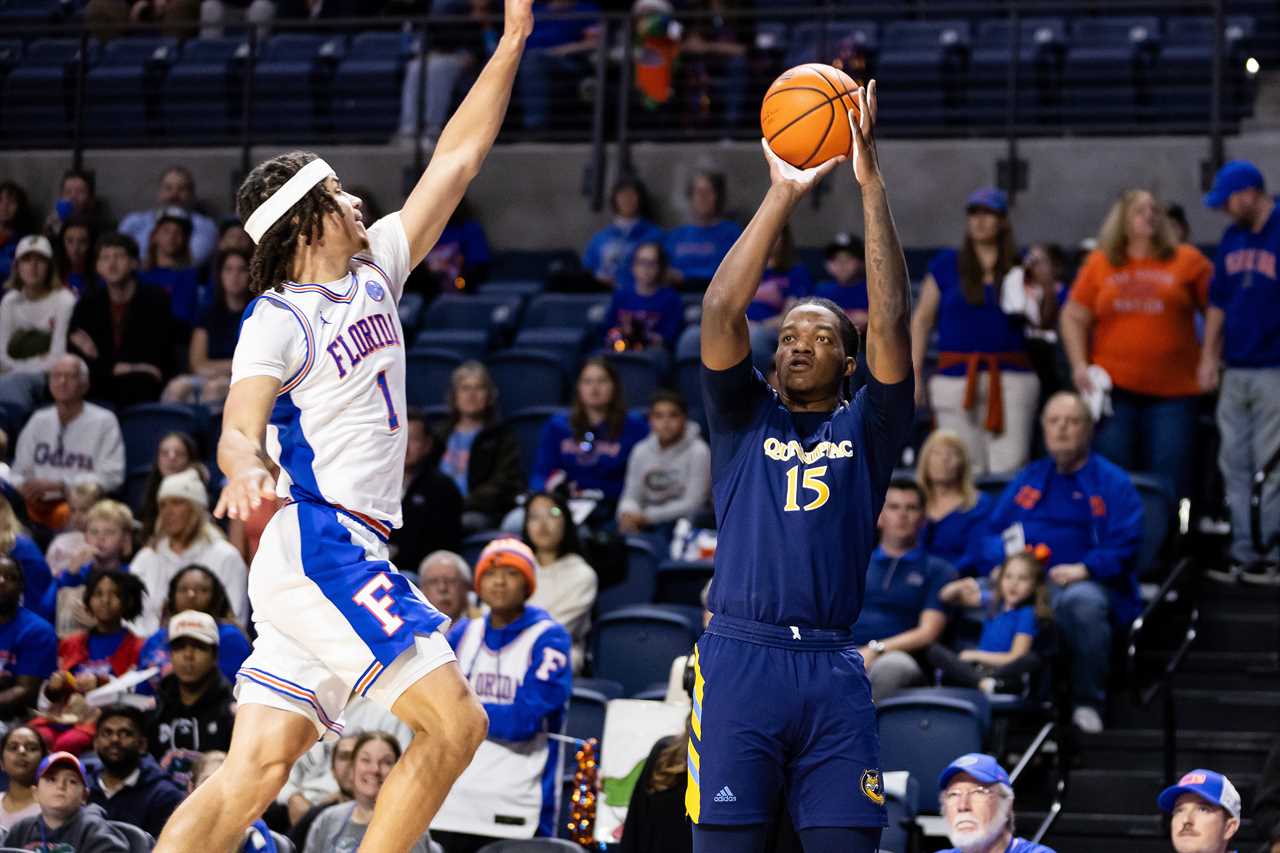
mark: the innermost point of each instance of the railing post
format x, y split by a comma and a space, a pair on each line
421, 107
596, 168
1170, 733
624, 97
1216, 153
1011, 176
246, 102
77, 131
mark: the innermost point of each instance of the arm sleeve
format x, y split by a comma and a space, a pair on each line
389, 251
1120, 536
1218, 295
591, 257
61, 325
697, 480
545, 690
1084, 290
37, 652
733, 397
273, 342
6, 331
887, 412
672, 320
24, 457
1027, 623
40, 592
109, 460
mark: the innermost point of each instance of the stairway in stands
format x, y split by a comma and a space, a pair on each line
1227, 699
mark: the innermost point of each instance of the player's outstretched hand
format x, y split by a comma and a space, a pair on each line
782, 172
517, 18
866, 166
244, 493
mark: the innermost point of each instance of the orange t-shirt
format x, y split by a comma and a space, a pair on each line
1144, 319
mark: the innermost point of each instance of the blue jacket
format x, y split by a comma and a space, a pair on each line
147, 803
1115, 525
1016, 845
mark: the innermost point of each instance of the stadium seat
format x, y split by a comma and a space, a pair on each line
134, 490
527, 378
689, 344
286, 78
531, 845
586, 714
140, 841
565, 343
201, 93
38, 92
561, 310
427, 373
533, 264
1182, 77
1041, 45
494, 315
636, 645
679, 582
1105, 77
122, 90
824, 40
465, 343
411, 307
526, 288
1158, 511
367, 84
637, 586
143, 426
640, 374
923, 734
926, 62
605, 687
472, 545
527, 425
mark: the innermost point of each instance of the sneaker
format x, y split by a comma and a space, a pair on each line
1261, 573
1230, 573
1087, 720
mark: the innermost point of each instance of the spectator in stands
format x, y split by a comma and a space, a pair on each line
431, 506
1019, 601
656, 821
17, 220
955, 510
446, 579
977, 803
185, 534
847, 287
567, 585
647, 313
1203, 810
1266, 802
125, 781
588, 448
21, 751
123, 329
40, 593
231, 235
455, 50
70, 550
696, 248
784, 281
167, 265
176, 452
517, 659
555, 51
608, 254
902, 614
75, 239
1044, 294
342, 828
460, 258
341, 771
67, 821
714, 63
194, 705
1086, 511
196, 588
984, 389
28, 646
109, 544
177, 189
217, 14
1242, 331
1131, 316
76, 198
108, 649
317, 10
480, 455
67, 443
35, 311
668, 474
213, 341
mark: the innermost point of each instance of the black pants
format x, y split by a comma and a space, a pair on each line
962, 673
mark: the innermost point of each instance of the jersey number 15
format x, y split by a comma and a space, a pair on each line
811, 480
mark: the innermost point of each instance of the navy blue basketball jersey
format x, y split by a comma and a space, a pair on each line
797, 496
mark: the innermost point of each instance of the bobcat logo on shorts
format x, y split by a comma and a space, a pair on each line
873, 787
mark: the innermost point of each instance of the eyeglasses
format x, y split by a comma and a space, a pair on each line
955, 795
14, 746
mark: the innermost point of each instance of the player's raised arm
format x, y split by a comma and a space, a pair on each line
467, 137
725, 338
888, 288
241, 455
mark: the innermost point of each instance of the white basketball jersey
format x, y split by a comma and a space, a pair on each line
337, 430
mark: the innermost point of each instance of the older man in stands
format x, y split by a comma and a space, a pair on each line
65, 444
1088, 513
977, 803
1204, 812
177, 189
446, 579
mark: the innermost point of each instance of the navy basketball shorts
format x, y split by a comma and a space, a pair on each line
782, 712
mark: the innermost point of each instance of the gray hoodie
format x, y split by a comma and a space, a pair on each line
668, 483
87, 832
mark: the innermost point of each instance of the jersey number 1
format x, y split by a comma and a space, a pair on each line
811, 479
392, 420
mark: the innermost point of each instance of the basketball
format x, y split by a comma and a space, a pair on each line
803, 115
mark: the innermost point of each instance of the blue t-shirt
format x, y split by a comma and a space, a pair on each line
797, 496
776, 288
183, 287
852, 297
655, 319
970, 328
1017, 845
595, 461
28, 646
40, 593
898, 590
952, 537
697, 250
999, 630
1245, 288
608, 255
457, 457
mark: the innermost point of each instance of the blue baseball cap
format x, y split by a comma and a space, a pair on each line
1213, 788
980, 766
1234, 176
60, 759
988, 198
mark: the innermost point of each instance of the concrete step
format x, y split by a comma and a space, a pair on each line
1143, 832
1226, 751
1197, 708
1120, 791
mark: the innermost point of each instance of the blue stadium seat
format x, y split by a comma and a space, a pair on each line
637, 585
1107, 65
526, 289
527, 378
122, 90
427, 373
134, 490
286, 77
1182, 78
531, 845
472, 545
143, 426
822, 41
564, 342
575, 310
923, 734
603, 686
465, 343
16, 12
900, 808
689, 382
680, 582
411, 307
366, 85
495, 314
201, 93
586, 715
1041, 46
636, 645
534, 264
689, 344
38, 92
10, 54
527, 425
1158, 520
924, 65
640, 374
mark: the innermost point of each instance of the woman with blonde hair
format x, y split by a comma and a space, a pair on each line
39, 592
1130, 322
955, 511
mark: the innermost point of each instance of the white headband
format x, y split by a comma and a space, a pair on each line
279, 202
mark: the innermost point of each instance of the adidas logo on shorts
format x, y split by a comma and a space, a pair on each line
725, 796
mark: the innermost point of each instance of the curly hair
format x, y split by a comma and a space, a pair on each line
130, 587
276, 251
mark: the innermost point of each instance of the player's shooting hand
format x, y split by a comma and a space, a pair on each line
802, 180
517, 18
866, 165
244, 493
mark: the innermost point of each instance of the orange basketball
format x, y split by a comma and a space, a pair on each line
803, 115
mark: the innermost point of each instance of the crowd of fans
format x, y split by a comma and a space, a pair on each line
146, 603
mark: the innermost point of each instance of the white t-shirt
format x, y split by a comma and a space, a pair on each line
49, 316
337, 430
156, 565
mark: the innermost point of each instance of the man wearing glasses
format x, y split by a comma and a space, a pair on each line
977, 801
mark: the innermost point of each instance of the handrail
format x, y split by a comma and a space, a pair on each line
1139, 625
1063, 765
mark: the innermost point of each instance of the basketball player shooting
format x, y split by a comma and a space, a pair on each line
782, 705
321, 361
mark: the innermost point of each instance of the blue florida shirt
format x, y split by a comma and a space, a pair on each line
28, 646
797, 496
1245, 288
608, 254
697, 250
899, 589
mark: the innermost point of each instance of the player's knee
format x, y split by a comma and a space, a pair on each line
475, 726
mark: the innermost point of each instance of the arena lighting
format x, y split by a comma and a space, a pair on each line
1252, 66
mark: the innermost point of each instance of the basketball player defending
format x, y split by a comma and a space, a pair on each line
318, 377
782, 705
